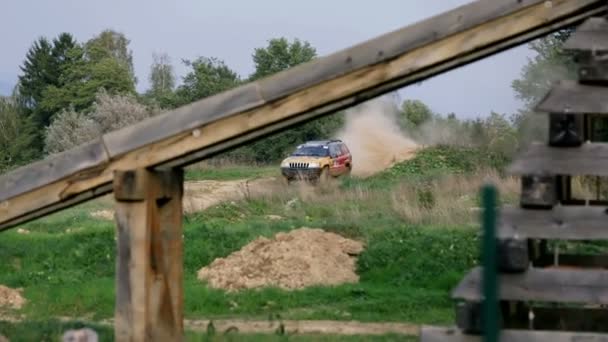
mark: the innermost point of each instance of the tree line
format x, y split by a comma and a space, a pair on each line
71, 92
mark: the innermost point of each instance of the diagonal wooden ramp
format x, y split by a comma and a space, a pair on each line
320, 87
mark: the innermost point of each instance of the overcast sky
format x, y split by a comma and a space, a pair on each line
231, 29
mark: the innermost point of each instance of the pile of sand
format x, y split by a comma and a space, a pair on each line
11, 298
294, 260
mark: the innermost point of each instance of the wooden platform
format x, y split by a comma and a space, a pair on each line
540, 159
559, 223
437, 334
541, 285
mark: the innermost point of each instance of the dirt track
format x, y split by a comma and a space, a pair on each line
294, 326
307, 327
200, 195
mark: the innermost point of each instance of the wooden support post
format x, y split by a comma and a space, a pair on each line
149, 264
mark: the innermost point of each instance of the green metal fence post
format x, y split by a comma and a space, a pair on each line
490, 261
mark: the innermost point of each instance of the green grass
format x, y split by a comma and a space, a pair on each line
232, 172
66, 263
433, 162
406, 271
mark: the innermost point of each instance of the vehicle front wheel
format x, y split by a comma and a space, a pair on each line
286, 181
324, 176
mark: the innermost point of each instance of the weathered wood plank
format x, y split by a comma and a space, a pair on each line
565, 319
543, 285
561, 223
571, 97
149, 271
538, 158
593, 32
574, 260
183, 119
440, 334
60, 205
82, 161
510, 23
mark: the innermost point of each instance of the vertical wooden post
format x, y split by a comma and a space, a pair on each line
149, 264
490, 265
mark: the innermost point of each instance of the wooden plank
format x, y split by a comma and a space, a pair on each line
149, 271
540, 159
60, 205
500, 30
543, 285
441, 334
561, 223
574, 260
82, 161
566, 319
183, 119
571, 97
593, 32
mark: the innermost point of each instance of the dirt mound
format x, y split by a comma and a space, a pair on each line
11, 298
374, 138
294, 260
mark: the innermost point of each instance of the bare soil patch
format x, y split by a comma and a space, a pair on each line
200, 195
305, 327
301, 258
11, 298
251, 326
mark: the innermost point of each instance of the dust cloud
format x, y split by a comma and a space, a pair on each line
372, 133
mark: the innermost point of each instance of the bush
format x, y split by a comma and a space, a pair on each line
69, 129
109, 112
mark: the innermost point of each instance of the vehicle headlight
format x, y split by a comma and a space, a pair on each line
313, 165
284, 163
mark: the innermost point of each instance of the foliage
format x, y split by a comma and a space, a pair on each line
69, 129
162, 80
82, 82
44, 65
207, 77
449, 159
414, 113
17, 136
550, 64
279, 55
64, 77
112, 112
112, 45
109, 112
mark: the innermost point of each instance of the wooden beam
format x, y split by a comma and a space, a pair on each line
540, 159
590, 261
149, 266
343, 79
572, 97
541, 285
441, 334
559, 223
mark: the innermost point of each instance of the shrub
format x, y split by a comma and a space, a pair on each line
109, 112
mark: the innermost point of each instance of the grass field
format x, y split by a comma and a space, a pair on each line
416, 219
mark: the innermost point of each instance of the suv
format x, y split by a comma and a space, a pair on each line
317, 160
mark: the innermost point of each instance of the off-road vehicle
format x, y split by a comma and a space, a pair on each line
317, 161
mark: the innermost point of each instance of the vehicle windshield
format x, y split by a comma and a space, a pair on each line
311, 151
